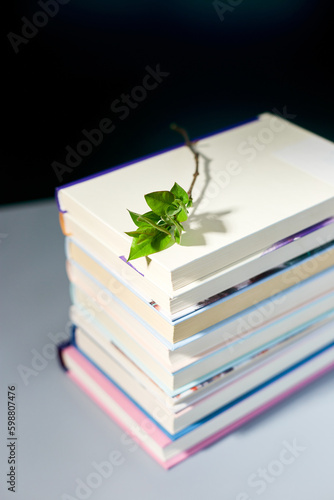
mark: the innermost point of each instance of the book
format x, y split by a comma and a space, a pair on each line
96, 303
222, 360
88, 294
175, 419
228, 222
174, 303
209, 313
165, 448
184, 346
192, 371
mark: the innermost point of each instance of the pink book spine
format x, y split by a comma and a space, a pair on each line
154, 432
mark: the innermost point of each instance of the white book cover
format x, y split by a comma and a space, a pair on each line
251, 192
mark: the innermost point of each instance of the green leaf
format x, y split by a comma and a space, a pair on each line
183, 214
161, 227
140, 222
176, 229
179, 228
134, 217
177, 235
149, 231
173, 209
153, 224
152, 216
180, 193
160, 201
148, 244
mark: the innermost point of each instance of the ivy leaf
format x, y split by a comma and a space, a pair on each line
148, 244
160, 201
180, 193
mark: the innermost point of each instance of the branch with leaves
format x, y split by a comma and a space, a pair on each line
161, 227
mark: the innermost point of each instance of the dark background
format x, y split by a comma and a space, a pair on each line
263, 56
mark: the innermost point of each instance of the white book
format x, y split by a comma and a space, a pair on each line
174, 420
188, 297
88, 294
91, 274
169, 450
95, 303
173, 380
253, 191
232, 346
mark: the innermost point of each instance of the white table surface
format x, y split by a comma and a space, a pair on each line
61, 433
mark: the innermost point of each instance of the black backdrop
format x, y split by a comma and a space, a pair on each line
68, 61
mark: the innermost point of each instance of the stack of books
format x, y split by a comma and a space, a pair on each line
184, 346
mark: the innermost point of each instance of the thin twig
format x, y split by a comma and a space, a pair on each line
196, 174
190, 145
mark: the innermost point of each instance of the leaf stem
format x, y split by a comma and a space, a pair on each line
190, 145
